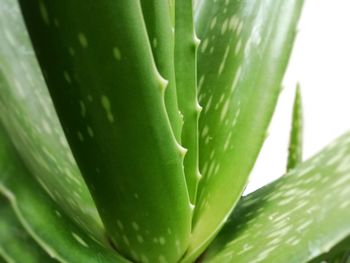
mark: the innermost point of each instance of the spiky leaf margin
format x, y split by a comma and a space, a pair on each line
157, 15
186, 45
245, 46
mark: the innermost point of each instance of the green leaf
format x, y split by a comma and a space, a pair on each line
245, 46
15, 243
110, 99
47, 224
338, 254
157, 15
27, 113
295, 155
296, 218
186, 44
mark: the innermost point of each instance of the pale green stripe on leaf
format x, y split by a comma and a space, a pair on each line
295, 219
27, 113
186, 45
15, 242
46, 222
109, 97
244, 50
295, 151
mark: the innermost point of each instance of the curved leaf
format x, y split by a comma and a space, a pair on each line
295, 219
27, 113
241, 61
48, 225
295, 155
110, 99
15, 242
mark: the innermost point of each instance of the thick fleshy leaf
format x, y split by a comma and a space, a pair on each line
338, 254
186, 44
295, 155
245, 46
27, 113
110, 99
47, 224
15, 243
157, 15
295, 219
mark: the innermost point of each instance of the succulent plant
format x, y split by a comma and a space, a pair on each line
162, 108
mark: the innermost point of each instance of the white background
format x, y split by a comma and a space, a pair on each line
321, 63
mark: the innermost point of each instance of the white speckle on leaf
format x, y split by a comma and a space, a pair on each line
79, 240
43, 12
56, 23
224, 110
107, 106
240, 27
71, 51
224, 26
67, 77
135, 226
120, 225
155, 43
162, 259
126, 240
117, 54
80, 136
82, 40
90, 131
223, 62
238, 46
139, 238
82, 108
205, 131
204, 45
213, 23
162, 240
58, 213
144, 259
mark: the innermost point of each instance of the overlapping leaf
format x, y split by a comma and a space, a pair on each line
295, 219
338, 254
15, 243
245, 46
110, 99
48, 225
27, 112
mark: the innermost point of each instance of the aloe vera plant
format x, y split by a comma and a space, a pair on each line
129, 129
